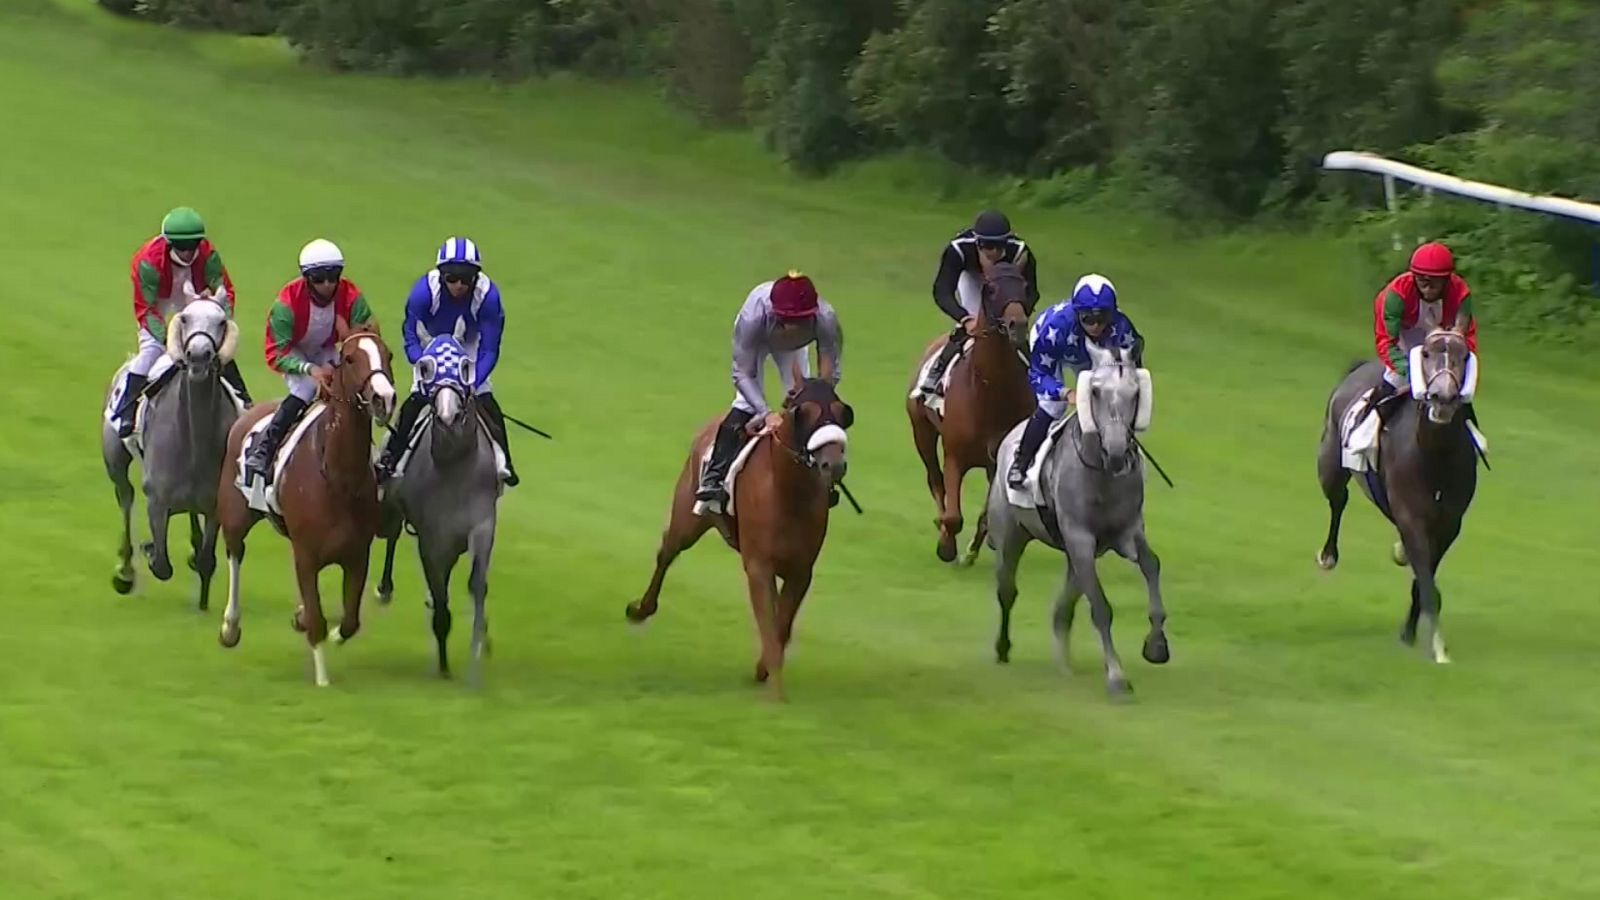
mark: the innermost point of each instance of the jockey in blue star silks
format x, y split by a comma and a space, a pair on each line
455, 289
1060, 350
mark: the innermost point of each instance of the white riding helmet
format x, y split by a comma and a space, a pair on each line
320, 254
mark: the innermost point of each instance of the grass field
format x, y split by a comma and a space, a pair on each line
1292, 748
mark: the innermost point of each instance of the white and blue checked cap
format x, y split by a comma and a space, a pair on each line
459, 250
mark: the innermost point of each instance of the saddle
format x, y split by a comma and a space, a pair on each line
935, 400
1031, 496
161, 375
263, 497
701, 507
418, 433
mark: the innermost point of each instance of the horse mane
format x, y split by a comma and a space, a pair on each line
1352, 367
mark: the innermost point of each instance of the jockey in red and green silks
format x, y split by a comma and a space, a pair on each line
169, 268
1430, 295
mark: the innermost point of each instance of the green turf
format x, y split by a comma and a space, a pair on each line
1291, 749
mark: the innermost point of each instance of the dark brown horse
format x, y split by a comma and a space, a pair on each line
778, 519
988, 395
327, 492
1426, 476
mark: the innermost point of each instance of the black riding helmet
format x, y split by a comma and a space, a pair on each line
991, 227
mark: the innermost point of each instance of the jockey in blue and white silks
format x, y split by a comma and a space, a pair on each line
455, 291
1060, 342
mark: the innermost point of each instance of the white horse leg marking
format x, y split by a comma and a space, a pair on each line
230, 616
1439, 656
319, 665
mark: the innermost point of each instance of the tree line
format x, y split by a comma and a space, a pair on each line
1213, 111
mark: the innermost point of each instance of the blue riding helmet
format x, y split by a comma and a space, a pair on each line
459, 251
1094, 292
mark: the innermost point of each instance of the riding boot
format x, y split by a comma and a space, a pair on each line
235, 380
952, 347
730, 437
496, 419
259, 463
1383, 401
129, 403
400, 435
1032, 438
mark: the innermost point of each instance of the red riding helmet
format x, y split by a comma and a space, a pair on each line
1433, 259
794, 297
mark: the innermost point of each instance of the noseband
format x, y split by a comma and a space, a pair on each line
359, 399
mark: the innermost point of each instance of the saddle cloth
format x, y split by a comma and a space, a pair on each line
935, 400
1031, 497
1360, 431
424, 423
263, 497
701, 507
135, 442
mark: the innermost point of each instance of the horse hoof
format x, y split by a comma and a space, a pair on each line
229, 637
384, 595
122, 584
636, 614
296, 622
1002, 653
1398, 554
1119, 689
1326, 561
761, 673
1408, 637
947, 550
1156, 651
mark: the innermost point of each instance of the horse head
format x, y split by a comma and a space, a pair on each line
202, 337
818, 419
1005, 303
446, 372
1114, 401
1443, 374
363, 369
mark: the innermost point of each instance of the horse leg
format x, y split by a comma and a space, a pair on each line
683, 531
437, 573
236, 519
1007, 555
308, 617
926, 435
792, 594
385, 592
122, 578
196, 538
1335, 480
1135, 548
1066, 608
205, 559
981, 532
1408, 631
155, 552
950, 520
480, 543
763, 587
1081, 556
1424, 590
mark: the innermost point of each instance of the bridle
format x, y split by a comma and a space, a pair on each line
358, 399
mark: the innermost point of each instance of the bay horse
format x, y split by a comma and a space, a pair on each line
1426, 475
778, 518
988, 394
327, 491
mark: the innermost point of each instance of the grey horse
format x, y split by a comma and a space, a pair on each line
1093, 482
449, 493
184, 436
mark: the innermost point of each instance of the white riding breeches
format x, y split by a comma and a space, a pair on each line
304, 386
1055, 409
1396, 380
969, 291
150, 351
784, 359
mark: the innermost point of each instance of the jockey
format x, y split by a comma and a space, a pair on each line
1061, 338
455, 289
1431, 295
300, 342
958, 288
179, 256
779, 319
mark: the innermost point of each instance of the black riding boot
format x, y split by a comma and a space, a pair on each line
1032, 438
259, 463
1383, 401
952, 347
730, 437
130, 403
400, 435
235, 379
493, 415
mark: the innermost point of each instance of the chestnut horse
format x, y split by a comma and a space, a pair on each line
327, 491
778, 518
988, 394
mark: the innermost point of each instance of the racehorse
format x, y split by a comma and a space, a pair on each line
449, 492
1094, 482
183, 436
1426, 473
988, 393
777, 519
326, 489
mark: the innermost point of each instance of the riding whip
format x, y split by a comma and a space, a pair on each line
516, 421
1143, 449
851, 497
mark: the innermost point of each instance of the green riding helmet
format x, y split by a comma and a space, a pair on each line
183, 223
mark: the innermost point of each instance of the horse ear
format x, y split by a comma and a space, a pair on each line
422, 334
461, 329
